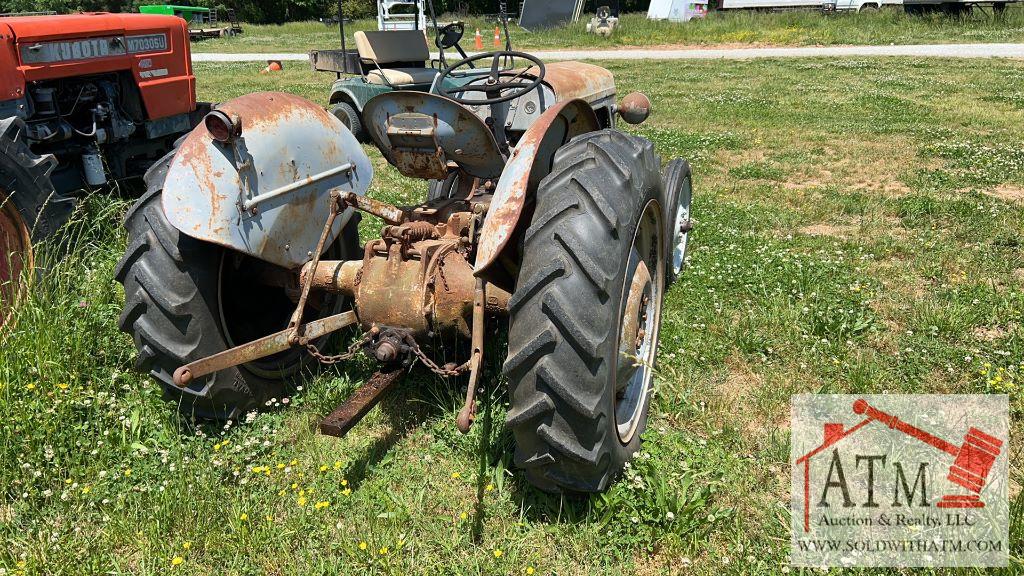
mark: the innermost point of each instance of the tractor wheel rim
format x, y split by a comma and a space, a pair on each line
251, 308
681, 231
641, 318
15, 254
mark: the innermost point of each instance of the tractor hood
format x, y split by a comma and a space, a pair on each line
579, 80
266, 192
153, 48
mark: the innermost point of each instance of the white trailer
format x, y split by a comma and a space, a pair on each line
825, 5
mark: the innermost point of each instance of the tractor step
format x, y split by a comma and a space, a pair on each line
344, 417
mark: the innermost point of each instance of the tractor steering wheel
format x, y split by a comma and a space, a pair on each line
494, 86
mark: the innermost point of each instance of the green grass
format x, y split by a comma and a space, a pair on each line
890, 26
857, 231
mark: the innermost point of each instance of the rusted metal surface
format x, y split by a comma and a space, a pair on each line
344, 417
635, 107
530, 162
465, 418
421, 133
386, 212
15, 255
285, 144
578, 80
266, 346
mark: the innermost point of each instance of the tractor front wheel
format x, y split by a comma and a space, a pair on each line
186, 299
678, 184
585, 314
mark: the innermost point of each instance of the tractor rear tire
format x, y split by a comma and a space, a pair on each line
184, 301
350, 117
31, 211
577, 410
678, 183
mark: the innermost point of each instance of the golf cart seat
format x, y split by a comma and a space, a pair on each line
395, 58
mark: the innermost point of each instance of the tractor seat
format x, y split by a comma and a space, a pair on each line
395, 57
401, 76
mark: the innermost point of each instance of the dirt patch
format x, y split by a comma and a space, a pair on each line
1007, 192
1019, 274
990, 333
833, 230
740, 380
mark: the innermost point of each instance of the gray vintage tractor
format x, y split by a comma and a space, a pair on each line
243, 255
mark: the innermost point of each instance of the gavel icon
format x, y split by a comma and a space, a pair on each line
972, 462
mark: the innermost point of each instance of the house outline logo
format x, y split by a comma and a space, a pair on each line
973, 460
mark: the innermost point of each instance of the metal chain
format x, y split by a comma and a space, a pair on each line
431, 365
348, 355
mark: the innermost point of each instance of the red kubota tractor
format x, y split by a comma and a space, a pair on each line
85, 99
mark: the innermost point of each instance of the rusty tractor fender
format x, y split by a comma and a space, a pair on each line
529, 164
265, 191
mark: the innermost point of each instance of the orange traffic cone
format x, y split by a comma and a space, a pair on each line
478, 41
497, 38
272, 66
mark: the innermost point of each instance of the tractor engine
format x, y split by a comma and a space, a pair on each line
76, 117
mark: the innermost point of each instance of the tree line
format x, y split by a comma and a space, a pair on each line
278, 11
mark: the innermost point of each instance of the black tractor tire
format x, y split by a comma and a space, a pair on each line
175, 314
678, 185
350, 117
566, 312
443, 189
25, 182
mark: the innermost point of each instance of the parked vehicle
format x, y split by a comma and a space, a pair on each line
85, 99
244, 257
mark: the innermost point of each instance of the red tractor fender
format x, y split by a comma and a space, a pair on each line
529, 164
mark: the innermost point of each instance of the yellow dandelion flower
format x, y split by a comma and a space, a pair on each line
302, 492
127, 471
243, 517
294, 462
489, 487
30, 386
270, 518
530, 570
280, 466
62, 386
302, 501
383, 550
362, 545
282, 492
498, 553
344, 482
337, 464
456, 475
266, 470
177, 560
295, 485
216, 447
346, 491
323, 468
86, 489
463, 516
322, 505
186, 545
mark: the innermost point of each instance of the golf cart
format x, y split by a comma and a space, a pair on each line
386, 60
